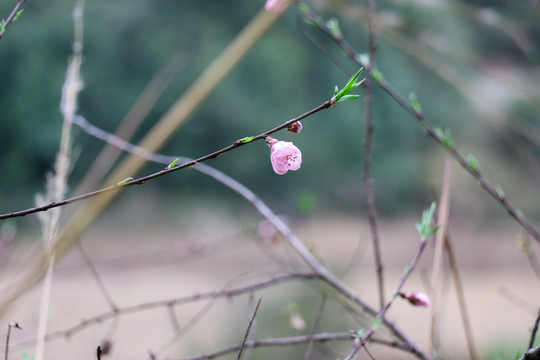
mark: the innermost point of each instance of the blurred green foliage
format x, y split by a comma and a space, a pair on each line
283, 76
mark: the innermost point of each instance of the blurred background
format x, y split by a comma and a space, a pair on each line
473, 65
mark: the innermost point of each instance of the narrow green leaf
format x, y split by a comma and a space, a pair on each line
353, 78
246, 139
128, 179
171, 165
333, 26
18, 14
377, 75
427, 217
473, 162
336, 90
348, 98
351, 85
433, 231
414, 102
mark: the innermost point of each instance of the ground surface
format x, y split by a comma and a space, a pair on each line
146, 262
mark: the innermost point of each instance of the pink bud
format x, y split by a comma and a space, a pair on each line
277, 6
416, 298
295, 127
284, 156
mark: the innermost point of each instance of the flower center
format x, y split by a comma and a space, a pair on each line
290, 158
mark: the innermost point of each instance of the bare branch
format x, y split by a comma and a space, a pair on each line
315, 326
369, 128
534, 331
10, 325
239, 356
293, 340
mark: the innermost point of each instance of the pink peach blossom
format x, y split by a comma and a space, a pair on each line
277, 6
284, 156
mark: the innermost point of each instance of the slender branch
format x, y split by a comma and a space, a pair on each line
239, 356
465, 318
11, 16
534, 331
293, 340
10, 325
174, 319
438, 257
96, 277
315, 326
144, 179
368, 186
418, 114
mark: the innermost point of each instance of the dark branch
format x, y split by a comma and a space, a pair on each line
144, 179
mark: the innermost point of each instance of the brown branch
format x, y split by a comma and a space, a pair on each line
315, 326
368, 186
465, 318
534, 331
144, 179
12, 16
293, 340
243, 344
95, 275
10, 325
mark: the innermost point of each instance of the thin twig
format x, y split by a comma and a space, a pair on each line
174, 318
293, 340
239, 356
437, 271
368, 185
10, 325
534, 331
460, 295
96, 276
12, 16
315, 326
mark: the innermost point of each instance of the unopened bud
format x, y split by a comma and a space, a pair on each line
295, 127
416, 298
